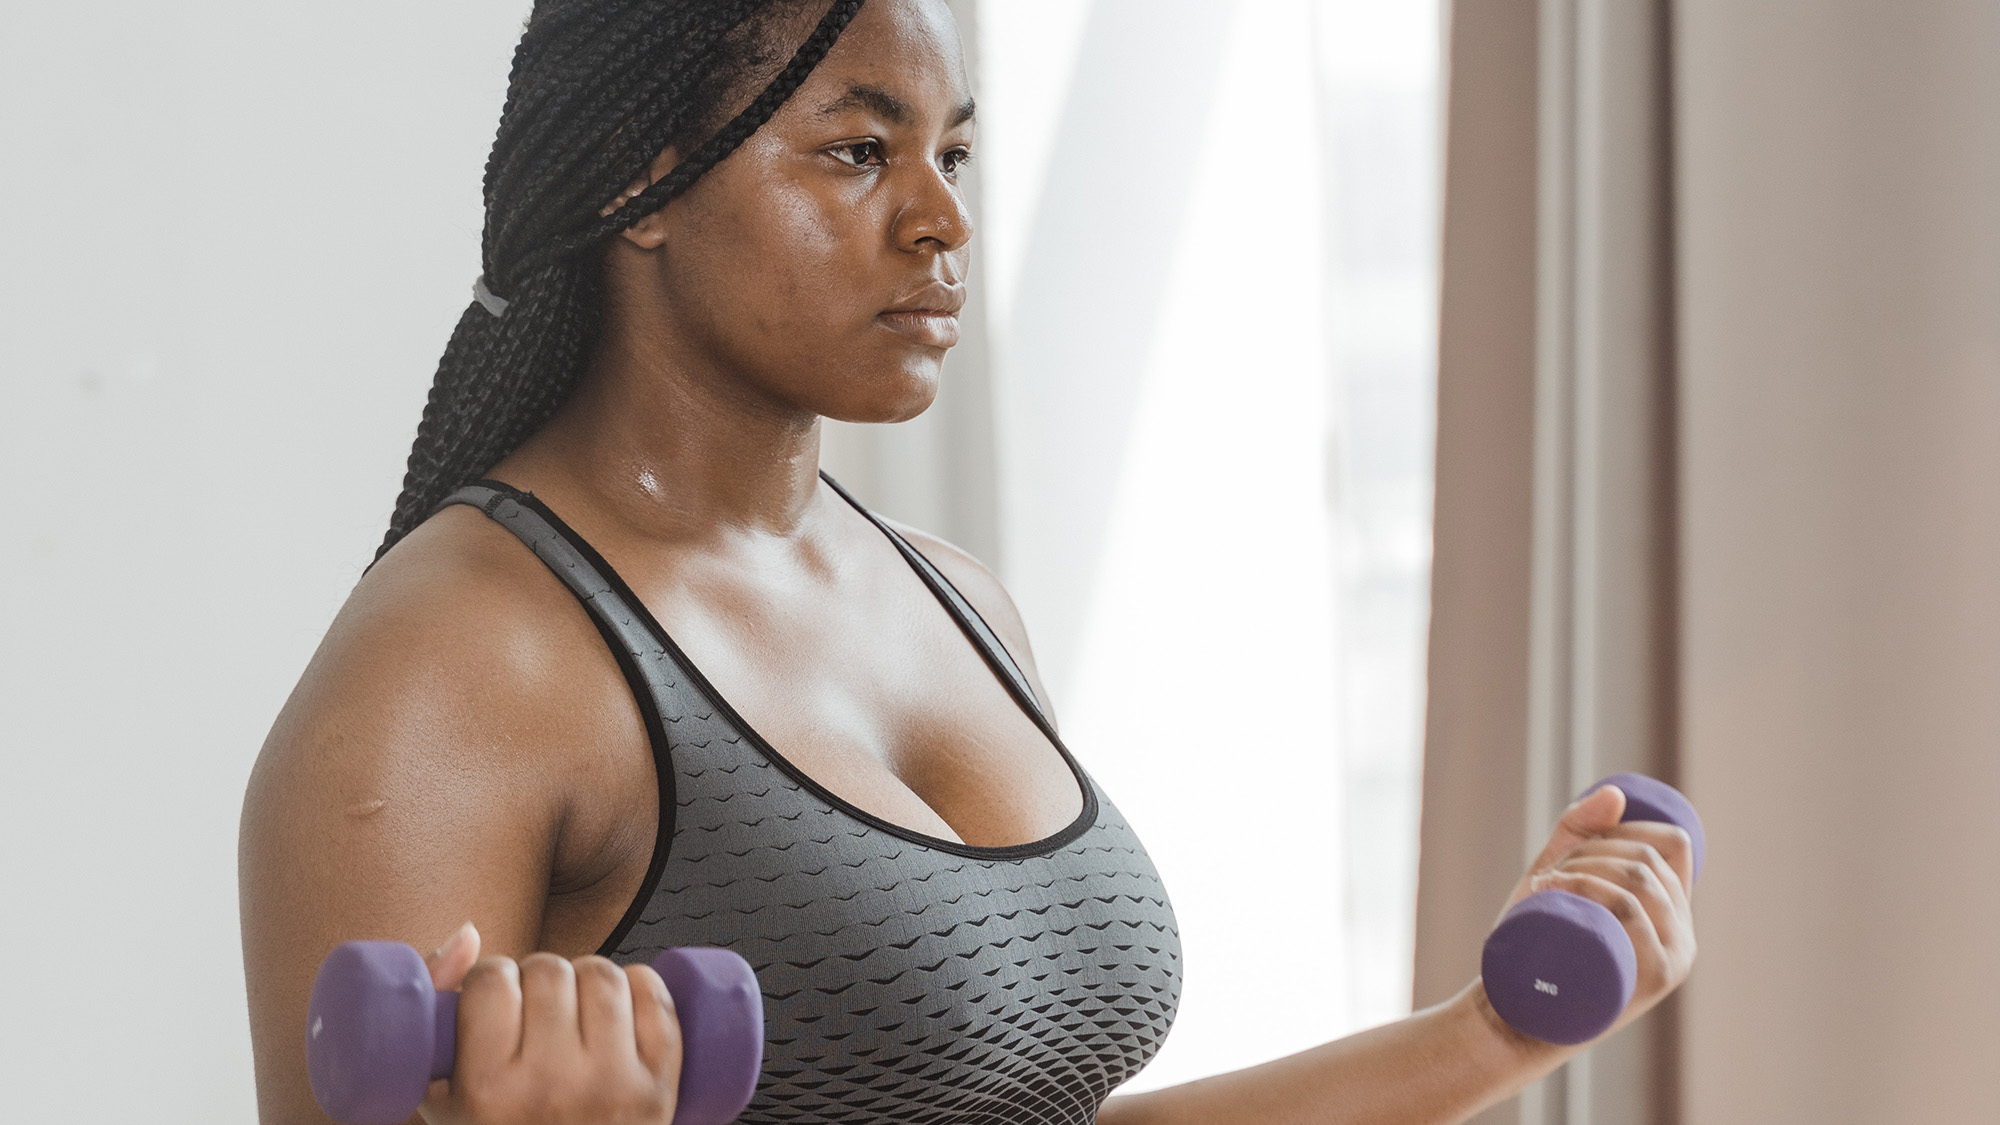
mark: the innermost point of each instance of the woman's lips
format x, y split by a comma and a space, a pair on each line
934, 327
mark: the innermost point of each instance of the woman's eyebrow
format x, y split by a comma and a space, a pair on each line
888, 106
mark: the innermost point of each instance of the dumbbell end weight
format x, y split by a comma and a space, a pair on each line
1650, 799
378, 1033
1559, 967
721, 1012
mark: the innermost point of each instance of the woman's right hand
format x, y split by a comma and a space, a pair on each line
547, 1039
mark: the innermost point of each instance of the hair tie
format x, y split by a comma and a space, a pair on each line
488, 300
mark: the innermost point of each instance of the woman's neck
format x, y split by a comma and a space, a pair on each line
674, 449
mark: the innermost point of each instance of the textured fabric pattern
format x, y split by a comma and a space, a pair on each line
906, 979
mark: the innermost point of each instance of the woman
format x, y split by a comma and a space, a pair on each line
653, 681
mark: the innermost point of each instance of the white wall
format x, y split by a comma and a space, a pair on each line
233, 239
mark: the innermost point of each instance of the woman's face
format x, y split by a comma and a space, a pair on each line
823, 264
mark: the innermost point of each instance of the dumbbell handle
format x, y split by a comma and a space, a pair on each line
378, 1034
1561, 967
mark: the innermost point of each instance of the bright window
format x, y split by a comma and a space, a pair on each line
1210, 232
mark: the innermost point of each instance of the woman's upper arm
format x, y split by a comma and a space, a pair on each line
405, 789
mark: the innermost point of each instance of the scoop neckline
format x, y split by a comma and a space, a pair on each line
1048, 845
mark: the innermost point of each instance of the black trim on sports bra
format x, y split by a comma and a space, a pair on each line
999, 660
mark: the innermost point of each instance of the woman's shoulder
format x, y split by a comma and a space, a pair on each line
460, 604
457, 650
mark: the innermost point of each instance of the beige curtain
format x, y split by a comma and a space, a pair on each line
1718, 498
1840, 279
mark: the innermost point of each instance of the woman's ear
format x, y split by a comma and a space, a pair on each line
649, 233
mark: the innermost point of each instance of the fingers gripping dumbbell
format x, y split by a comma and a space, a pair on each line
1560, 967
378, 1034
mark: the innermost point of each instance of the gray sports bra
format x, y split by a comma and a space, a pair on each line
907, 979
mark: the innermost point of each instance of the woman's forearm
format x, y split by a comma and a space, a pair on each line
1441, 1065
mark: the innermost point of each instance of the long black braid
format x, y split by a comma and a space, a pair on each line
599, 88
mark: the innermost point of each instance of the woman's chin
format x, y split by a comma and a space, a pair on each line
897, 401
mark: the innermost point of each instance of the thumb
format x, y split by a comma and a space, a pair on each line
454, 958
1590, 816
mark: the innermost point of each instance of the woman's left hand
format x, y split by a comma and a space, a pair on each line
1642, 871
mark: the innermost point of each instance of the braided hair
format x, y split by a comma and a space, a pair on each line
599, 88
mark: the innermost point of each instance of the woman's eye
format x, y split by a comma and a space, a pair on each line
859, 154
952, 161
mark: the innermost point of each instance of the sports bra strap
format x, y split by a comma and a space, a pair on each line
603, 594
969, 621
655, 671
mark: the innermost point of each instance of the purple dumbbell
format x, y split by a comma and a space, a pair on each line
1560, 967
378, 1034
